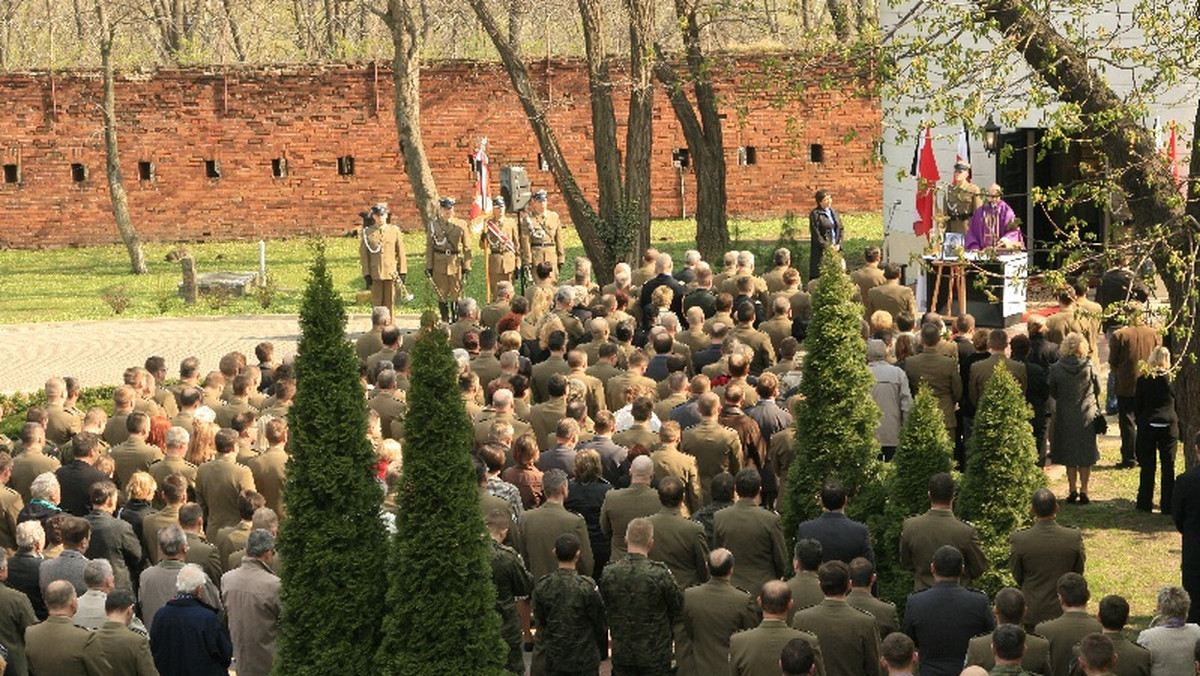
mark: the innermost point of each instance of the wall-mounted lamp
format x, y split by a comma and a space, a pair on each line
991, 136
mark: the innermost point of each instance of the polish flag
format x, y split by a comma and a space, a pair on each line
483, 201
927, 178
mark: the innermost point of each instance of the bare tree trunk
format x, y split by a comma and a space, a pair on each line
406, 72
112, 155
604, 118
583, 215
841, 11
1160, 219
639, 135
703, 133
235, 32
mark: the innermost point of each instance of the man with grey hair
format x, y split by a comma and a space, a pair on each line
23, 567
623, 505
251, 597
57, 646
187, 636
89, 609
158, 581
564, 302
467, 313
177, 440
542, 526
501, 305
370, 342
662, 277
16, 613
687, 274
892, 395
501, 410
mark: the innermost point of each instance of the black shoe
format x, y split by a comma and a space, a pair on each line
1083, 499
1072, 498
1127, 464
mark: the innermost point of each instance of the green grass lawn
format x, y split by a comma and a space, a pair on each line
71, 284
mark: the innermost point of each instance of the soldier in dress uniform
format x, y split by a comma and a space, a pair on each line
500, 240
381, 253
541, 234
962, 199
447, 256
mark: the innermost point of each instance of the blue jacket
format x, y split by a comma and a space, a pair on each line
188, 639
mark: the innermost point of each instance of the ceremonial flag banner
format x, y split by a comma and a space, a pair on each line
927, 178
963, 152
483, 201
1172, 155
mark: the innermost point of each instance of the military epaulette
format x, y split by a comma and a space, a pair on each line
659, 564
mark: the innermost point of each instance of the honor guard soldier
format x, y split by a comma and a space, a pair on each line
541, 235
962, 199
447, 256
499, 239
381, 252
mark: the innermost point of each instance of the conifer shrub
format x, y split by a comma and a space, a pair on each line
836, 419
1002, 473
332, 539
925, 449
441, 601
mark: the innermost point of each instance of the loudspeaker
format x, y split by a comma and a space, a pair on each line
514, 188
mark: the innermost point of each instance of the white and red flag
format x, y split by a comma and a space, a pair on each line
927, 179
482, 204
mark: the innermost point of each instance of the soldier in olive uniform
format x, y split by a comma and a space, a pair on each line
541, 235
381, 253
511, 580
572, 634
644, 603
962, 199
500, 240
447, 256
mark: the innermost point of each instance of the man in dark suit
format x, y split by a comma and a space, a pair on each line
1065, 632
663, 267
842, 539
1041, 554
942, 619
752, 534
16, 614
847, 634
712, 613
113, 538
1185, 510
825, 230
75, 478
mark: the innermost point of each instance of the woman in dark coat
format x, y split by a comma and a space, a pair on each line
1074, 387
585, 496
1157, 429
825, 228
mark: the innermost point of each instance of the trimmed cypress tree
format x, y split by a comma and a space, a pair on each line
333, 539
836, 418
925, 449
1002, 473
443, 605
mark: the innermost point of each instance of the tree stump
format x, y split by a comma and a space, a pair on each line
187, 289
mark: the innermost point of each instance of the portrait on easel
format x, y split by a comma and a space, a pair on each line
952, 244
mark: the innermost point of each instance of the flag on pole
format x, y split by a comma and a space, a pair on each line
1172, 155
483, 201
927, 178
962, 154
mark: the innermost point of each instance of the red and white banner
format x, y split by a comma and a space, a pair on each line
483, 201
927, 179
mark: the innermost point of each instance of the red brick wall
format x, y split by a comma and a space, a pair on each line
310, 115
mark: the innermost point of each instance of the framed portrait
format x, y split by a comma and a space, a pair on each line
952, 243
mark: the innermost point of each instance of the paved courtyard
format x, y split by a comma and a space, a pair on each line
98, 352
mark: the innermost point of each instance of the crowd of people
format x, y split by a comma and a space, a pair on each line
631, 442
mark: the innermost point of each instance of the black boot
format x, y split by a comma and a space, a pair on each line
444, 308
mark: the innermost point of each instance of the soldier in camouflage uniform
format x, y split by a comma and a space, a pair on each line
572, 636
644, 603
511, 580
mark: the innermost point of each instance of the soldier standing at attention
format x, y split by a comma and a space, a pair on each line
541, 235
962, 199
644, 603
499, 239
572, 635
511, 580
447, 256
381, 252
